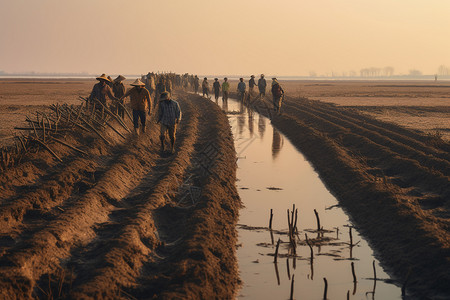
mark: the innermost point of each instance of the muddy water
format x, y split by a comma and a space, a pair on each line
272, 174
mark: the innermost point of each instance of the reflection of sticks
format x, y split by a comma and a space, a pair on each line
325, 289
310, 247
276, 251
292, 288
348, 295
317, 219
353, 272
271, 217
374, 271
277, 273
354, 278
287, 268
374, 281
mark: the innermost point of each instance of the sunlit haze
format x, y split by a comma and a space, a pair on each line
284, 37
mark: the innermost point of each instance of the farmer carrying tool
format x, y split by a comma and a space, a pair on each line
169, 115
140, 102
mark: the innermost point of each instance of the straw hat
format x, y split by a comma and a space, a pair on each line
103, 77
138, 82
119, 78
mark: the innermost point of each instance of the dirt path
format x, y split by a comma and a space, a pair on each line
125, 221
393, 181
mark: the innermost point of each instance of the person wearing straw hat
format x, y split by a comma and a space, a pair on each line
140, 102
169, 115
262, 86
119, 90
101, 90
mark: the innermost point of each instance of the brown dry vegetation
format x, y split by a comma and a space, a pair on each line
111, 224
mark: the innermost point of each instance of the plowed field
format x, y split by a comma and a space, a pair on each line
125, 221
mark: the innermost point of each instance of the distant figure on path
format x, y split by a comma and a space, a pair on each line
251, 84
196, 84
241, 89
225, 89
119, 90
140, 102
278, 95
169, 115
216, 88
205, 87
102, 89
262, 86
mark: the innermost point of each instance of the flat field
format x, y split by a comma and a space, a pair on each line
421, 105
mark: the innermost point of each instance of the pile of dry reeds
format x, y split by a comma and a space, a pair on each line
44, 129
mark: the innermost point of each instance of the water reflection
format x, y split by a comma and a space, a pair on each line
261, 126
250, 121
225, 105
265, 166
277, 143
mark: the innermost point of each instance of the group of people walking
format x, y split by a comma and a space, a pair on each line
243, 93
141, 102
153, 92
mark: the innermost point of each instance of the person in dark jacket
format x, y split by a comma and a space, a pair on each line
216, 88
278, 95
169, 115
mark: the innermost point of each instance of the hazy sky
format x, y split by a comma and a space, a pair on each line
282, 37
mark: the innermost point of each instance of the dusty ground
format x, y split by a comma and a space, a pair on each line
120, 222
109, 225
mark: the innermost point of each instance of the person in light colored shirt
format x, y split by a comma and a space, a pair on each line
225, 89
205, 87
